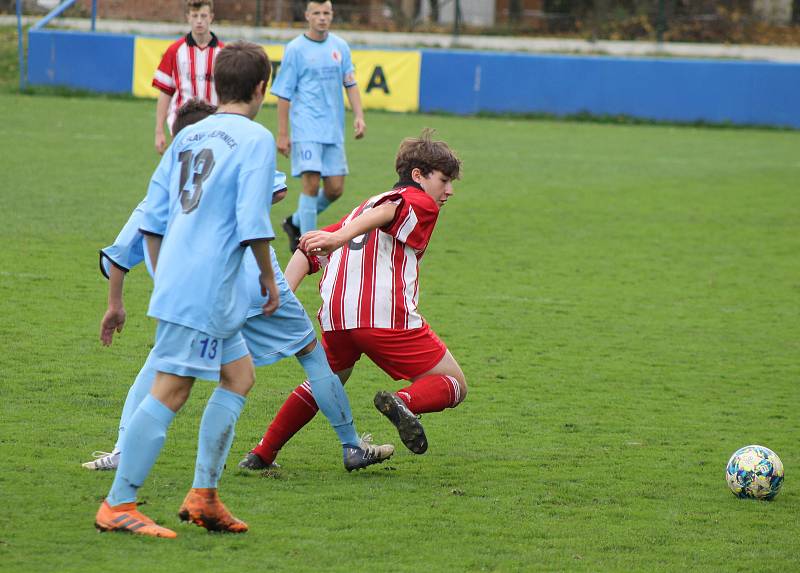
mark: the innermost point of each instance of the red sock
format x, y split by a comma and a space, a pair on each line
431, 393
297, 411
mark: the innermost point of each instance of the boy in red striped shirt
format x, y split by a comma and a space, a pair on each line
186, 70
370, 291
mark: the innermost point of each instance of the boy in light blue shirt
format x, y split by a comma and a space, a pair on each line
315, 68
204, 208
287, 332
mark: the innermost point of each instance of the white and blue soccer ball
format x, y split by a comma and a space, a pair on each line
755, 472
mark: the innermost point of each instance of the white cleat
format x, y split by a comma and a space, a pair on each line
104, 461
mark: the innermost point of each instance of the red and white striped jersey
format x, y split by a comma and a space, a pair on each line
187, 71
373, 281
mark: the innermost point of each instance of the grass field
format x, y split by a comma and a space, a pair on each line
622, 299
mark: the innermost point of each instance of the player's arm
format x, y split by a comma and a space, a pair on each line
325, 242
114, 317
359, 125
162, 107
153, 243
269, 287
297, 269
283, 143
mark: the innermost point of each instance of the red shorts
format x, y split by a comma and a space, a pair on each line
403, 354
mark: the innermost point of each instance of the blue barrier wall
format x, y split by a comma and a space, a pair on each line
713, 91
96, 62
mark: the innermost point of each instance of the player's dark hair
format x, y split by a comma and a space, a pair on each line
427, 155
197, 4
191, 112
238, 69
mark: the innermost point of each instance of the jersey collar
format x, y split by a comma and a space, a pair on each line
407, 183
212, 44
328, 35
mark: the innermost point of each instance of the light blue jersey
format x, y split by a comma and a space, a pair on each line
128, 249
207, 198
311, 76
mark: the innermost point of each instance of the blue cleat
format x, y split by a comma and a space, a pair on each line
365, 455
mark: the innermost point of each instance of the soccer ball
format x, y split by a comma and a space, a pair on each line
755, 472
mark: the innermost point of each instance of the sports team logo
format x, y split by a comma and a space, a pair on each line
337, 57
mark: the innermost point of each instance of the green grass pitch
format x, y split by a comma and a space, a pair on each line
622, 299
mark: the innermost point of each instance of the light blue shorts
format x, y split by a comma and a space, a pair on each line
184, 351
282, 334
327, 159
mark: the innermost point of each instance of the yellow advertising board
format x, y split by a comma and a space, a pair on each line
386, 79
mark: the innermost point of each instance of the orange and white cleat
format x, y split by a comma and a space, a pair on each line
126, 518
203, 507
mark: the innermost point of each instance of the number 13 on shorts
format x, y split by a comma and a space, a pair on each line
208, 348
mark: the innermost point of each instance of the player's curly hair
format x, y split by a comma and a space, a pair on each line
238, 69
191, 112
426, 155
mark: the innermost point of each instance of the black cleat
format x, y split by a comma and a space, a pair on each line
292, 231
411, 431
252, 462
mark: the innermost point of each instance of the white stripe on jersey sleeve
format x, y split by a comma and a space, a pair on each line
163, 78
409, 224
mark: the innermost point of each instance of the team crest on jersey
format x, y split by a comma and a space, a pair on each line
337, 57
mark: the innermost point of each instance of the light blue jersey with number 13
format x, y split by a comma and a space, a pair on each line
207, 198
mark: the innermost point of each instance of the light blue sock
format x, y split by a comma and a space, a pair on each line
306, 213
330, 395
141, 443
137, 392
217, 429
322, 201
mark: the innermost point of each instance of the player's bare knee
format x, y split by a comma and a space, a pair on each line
307, 349
333, 189
239, 378
462, 390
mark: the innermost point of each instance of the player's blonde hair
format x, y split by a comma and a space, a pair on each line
426, 155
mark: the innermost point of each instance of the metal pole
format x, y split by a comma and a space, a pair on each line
94, 15
457, 20
21, 47
258, 13
661, 24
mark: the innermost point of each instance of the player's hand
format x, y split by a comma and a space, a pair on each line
113, 320
161, 143
359, 127
320, 243
269, 289
284, 145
